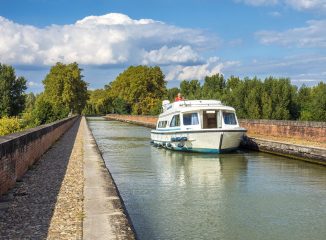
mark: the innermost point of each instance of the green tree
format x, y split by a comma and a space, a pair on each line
99, 102
30, 101
235, 95
12, 89
304, 102
65, 89
136, 84
172, 93
282, 95
213, 87
120, 106
190, 89
252, 100
313, 103
9, 125
43, 111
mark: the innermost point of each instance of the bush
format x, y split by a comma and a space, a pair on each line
9, 125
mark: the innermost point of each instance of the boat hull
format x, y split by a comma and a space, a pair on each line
213, 141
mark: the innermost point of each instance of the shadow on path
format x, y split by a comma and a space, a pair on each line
30, 210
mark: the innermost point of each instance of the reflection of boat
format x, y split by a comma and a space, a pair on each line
197, 126
201, 169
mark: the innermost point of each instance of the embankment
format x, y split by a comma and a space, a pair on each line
20, 150
105, 214
295, 139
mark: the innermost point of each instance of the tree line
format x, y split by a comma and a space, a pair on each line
65, 92
141, 89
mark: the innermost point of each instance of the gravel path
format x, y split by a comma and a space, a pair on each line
48, 202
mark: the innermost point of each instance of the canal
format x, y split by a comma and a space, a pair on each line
242, 195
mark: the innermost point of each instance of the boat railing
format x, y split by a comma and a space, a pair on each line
189, 104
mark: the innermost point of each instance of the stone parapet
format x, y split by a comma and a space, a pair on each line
309, 131
270, 131
18, 151
301, 152
146, 121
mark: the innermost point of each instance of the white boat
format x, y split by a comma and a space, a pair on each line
197, 126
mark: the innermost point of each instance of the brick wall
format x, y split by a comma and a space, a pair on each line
147, 121
20, 150
311, 131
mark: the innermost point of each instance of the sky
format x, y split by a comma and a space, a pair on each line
188, 39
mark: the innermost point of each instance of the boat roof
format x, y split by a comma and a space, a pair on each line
193, 105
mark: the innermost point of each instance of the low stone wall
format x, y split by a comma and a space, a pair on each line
310, 131
301, 152
20, 150
313, 131
146, 121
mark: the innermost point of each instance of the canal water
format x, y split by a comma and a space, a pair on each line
242, 195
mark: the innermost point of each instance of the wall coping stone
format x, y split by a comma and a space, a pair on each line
286, 122
8, 143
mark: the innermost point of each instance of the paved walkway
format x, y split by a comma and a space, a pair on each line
49, 202
105, 217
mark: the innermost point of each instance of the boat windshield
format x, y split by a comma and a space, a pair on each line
229, 118
175, 122
162, 124
190, 119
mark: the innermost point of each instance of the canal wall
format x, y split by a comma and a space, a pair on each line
146, 121
105, 213
18, 151
311, 131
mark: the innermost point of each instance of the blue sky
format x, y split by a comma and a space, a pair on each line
189, 39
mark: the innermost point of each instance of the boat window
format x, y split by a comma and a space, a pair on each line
162, 124
175, 122
190, 119
229, 118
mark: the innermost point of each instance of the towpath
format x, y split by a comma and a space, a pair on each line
48, 203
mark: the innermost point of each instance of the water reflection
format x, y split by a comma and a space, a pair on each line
201, 169
243, 195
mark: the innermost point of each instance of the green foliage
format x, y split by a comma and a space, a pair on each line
30, 102
12, 99
99, 102
172, 93
120, 106
65, 89
273, 98
9, 125
148, 106
313, 103
135, 86
44, 111
214, 87
191, 89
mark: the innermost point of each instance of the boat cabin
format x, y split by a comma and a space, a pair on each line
195, 115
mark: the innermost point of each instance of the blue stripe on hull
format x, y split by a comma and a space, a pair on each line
202, 150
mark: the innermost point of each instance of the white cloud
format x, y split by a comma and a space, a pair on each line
301, 5
213, 66
258, 2
165, 55
33, 84
299, 68
312, 35
111, 39
275, 14
307, 4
